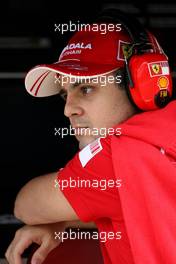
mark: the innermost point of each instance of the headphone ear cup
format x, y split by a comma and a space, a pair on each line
152, 82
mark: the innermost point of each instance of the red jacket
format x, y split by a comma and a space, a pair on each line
144, 157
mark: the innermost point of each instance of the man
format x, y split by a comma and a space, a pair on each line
121, 178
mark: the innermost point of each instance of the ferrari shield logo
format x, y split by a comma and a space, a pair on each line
127, 51
156, 68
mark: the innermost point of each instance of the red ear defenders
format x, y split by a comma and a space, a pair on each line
151, 85
149, 81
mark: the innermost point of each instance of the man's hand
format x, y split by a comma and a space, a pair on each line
43, 235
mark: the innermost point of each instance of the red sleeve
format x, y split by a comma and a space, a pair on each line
89, 184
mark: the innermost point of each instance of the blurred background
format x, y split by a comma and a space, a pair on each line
28, 144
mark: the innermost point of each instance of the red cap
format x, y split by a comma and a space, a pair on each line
88, 54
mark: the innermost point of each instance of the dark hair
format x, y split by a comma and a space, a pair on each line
120, 74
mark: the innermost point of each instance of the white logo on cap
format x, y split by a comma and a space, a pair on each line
75, 46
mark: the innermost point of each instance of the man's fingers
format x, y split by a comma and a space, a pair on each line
16, 257
15, 250
12, 255
41, 253
8, 251
24, 237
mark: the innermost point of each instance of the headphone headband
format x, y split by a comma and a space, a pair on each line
136, 31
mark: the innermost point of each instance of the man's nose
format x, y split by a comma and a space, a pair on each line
72, 107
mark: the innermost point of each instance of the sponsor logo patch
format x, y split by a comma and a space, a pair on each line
87, 153
163, 82
122, 47
158, 68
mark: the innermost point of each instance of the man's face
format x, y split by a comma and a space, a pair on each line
93, 105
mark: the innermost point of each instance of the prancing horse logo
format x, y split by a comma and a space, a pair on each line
156, 68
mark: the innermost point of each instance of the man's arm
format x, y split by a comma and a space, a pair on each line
39, 202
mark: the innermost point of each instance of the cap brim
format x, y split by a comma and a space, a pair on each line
42, 80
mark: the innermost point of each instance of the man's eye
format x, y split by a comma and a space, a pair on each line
86, 89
